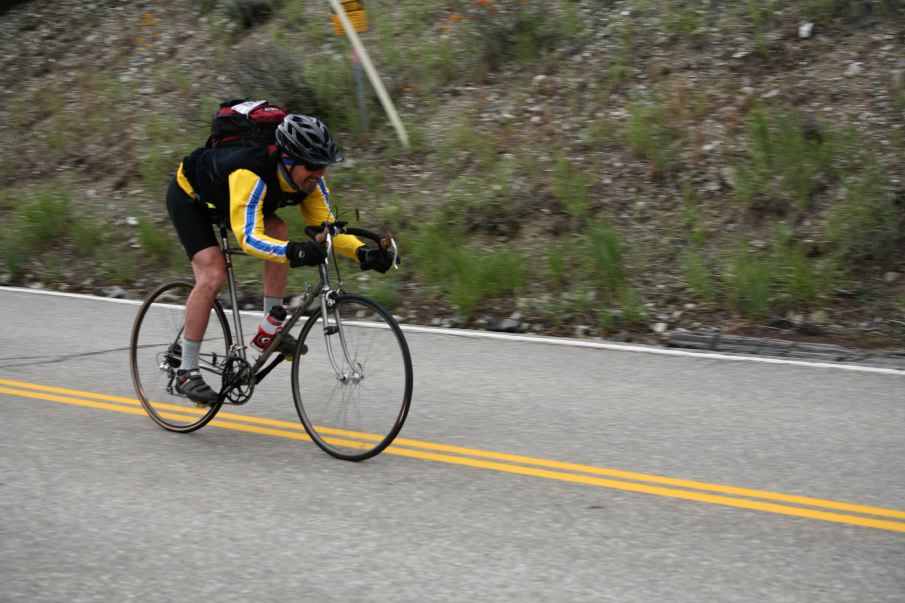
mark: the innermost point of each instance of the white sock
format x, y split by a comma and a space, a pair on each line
270, 302
190, 350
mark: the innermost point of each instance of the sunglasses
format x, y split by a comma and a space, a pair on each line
311, 167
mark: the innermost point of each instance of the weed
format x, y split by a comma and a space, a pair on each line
556, 265
748, 284
570, 187
463, 274
383, 290
523, 32
475, 278
155, 242
691, 217
162, 156
651, 137
633, 310
681, 21
36, 223
605, 258
698, 274
789, 158
119, 268
867, 224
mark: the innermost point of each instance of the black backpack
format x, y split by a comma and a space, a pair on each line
245, 123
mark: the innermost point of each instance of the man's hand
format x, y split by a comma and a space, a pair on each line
308, 253
375, 259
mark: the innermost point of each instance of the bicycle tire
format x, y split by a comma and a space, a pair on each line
154, 356
353, 411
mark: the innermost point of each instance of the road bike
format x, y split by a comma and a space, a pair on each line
351, 373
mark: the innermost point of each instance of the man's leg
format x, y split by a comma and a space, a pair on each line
275, 276
275, 273
209, 267
210, 274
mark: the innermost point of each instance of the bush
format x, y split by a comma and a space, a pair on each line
466, 274
32, 228
789, 158
868, 224
748, 283
606, 261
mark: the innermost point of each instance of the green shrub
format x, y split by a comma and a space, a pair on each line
474, 277
570, 187
788, 158
748, 283
383, 289
37, 226
698, 274
466, 274
867, 224
155, 242
606, 261
651, 137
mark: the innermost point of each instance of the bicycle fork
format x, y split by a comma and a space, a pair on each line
342, 375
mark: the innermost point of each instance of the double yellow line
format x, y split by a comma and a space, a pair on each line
731, 496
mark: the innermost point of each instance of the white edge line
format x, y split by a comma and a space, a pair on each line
562, 341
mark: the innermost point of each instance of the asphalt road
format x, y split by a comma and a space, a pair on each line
527, 471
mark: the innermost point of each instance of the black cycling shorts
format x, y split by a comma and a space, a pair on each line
191, 219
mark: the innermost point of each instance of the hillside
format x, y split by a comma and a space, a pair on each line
593, 168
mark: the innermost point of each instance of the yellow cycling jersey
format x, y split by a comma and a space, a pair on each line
251, 197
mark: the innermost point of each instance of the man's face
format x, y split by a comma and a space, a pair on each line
304, 178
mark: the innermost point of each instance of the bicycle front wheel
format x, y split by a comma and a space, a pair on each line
155, 354
356, 377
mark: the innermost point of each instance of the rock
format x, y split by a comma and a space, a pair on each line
805, 30
116, 293
891, 277
694, 341
853, 69
509, 325
659, 328
582, 331
778, 322
807, 328
728, 175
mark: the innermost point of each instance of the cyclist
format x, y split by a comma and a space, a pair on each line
247, 185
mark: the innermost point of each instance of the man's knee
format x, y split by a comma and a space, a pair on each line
210, 269
275, 227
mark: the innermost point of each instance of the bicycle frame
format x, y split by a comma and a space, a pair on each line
325, 292
338, 411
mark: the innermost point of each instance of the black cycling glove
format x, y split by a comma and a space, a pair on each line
308, 253
375, 259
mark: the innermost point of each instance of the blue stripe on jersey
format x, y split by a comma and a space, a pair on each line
251, 211
326, 194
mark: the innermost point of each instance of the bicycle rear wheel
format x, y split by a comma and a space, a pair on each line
357, 378
155, 354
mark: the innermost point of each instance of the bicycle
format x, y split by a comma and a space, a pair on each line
354, 404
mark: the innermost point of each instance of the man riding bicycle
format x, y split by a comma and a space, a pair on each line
246, 185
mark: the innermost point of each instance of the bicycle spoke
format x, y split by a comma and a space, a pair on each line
353, 388
155, 357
